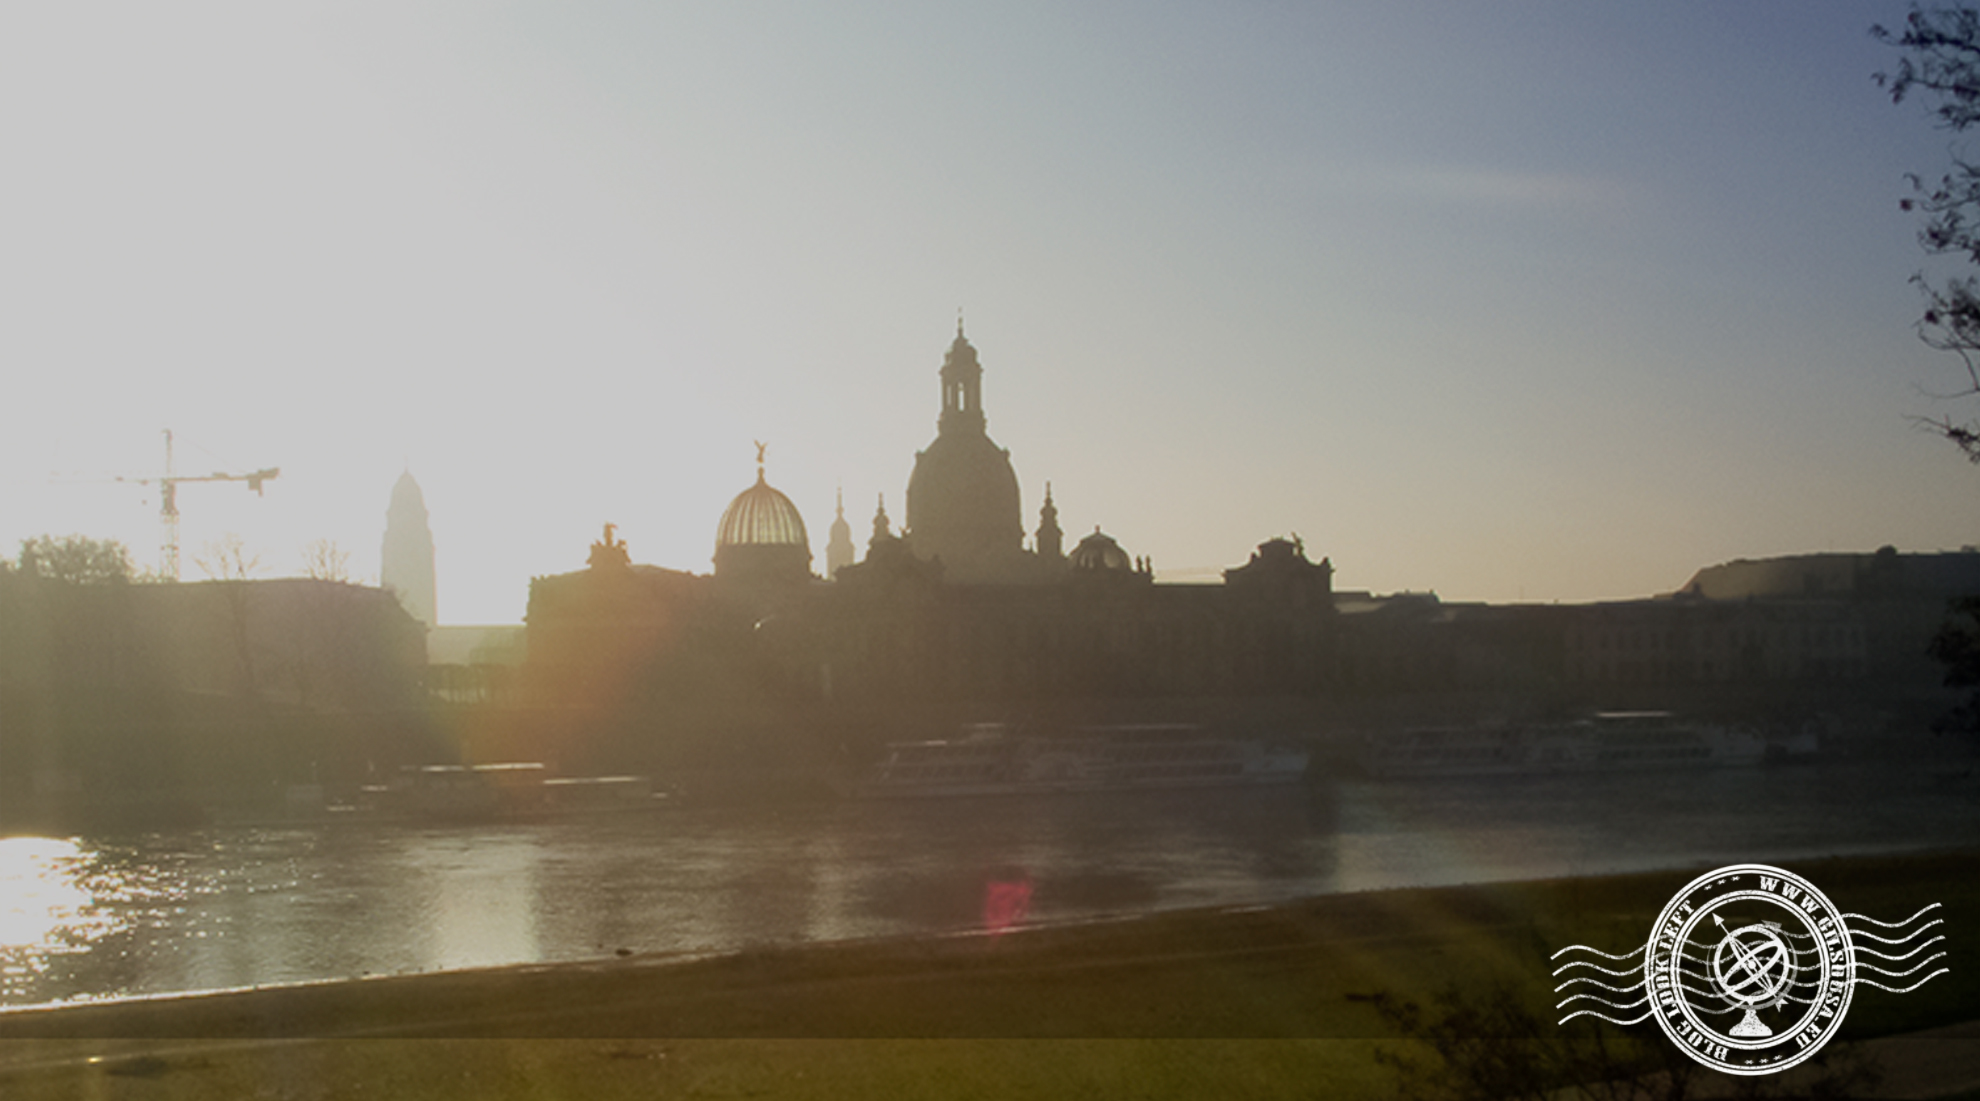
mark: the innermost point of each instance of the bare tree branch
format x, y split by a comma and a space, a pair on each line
323, 560
1939, 63
227, 559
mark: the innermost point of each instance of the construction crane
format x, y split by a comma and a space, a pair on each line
168, 498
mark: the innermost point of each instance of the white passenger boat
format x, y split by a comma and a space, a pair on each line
988, 760
510, 791
1614, 740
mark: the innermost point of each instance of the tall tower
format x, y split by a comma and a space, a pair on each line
962, 499
406, 565
962, 389
839, 549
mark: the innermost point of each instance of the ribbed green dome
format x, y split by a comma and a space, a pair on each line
760, 516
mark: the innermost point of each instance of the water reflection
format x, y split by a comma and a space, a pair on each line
44, 908
57, 899
238, 907
39, 894
476, 896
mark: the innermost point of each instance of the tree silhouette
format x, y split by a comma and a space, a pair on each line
324, 560
75, 559
1957, 648
1940, 65
227, 559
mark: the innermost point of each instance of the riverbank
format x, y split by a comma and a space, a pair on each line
1195, 1003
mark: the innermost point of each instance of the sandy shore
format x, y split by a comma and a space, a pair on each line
1275, 991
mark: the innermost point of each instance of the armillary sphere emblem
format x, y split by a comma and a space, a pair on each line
1753, 967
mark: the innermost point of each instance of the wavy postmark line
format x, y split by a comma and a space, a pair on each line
1890, 925
1889, 974
1595, 951
1898, 959
1593, 981
1604, 1017
1906, 939
1631, 1004
1595, 967
1601, 1016
1905, 990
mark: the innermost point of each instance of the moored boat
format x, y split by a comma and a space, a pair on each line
508, 791
991, 761
1613, 740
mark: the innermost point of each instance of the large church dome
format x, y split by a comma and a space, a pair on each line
962, 499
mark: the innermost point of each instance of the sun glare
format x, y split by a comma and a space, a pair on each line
42, 901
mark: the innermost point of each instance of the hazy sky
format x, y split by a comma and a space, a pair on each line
1542, 301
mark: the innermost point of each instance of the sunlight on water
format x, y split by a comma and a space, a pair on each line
38, 892
477, 898
46, 906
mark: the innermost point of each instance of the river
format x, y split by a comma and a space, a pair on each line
218, 908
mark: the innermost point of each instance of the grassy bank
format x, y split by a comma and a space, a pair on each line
1271, 1002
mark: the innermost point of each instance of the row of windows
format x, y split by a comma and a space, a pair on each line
1170, 772
1140, 754
1660, 671
917, 773
1833, 638
1687, 753
920, 773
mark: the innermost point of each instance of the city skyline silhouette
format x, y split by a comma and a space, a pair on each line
1539, 305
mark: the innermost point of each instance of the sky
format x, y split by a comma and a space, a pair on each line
1520, 301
